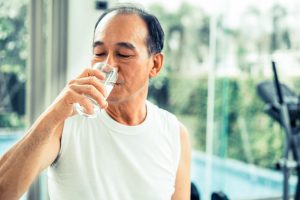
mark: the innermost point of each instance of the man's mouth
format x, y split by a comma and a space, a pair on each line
119, 82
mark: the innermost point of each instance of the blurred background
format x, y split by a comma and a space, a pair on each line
216, 52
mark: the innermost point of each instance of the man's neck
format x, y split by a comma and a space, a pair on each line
131, 112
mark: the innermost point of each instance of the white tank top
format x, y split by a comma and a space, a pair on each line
102, 159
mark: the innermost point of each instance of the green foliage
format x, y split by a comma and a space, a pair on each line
11, 120
13, 41
238, 110
13, 55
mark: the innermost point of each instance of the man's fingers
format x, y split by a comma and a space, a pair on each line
91, 80
91, 91
86, 104
92, 72
105, 105
74, 97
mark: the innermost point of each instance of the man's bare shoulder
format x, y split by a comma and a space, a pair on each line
184, 134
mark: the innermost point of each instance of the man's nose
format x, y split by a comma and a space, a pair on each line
110, 60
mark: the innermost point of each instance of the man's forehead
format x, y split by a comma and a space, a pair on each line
123, 23
121, 28
105, 21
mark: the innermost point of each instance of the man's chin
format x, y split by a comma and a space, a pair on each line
119, 97
119, 100
113, 100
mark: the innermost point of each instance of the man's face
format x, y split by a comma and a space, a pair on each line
120, 40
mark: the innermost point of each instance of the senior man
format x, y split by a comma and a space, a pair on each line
132, 150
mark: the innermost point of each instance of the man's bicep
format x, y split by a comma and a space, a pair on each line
52, 148
182, 184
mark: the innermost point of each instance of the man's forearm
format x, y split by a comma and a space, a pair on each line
20, 165
13, 149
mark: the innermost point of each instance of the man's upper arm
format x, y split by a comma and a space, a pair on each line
53, 147
183, 184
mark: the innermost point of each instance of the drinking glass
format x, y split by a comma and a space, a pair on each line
111, 76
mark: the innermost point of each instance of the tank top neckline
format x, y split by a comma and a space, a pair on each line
126, 129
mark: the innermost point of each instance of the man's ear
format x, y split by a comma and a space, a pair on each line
158, 60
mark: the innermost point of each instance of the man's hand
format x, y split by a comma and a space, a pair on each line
87, 83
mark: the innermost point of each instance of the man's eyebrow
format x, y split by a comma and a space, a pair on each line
126, 45
97, 43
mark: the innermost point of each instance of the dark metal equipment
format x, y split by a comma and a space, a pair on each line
283, 105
